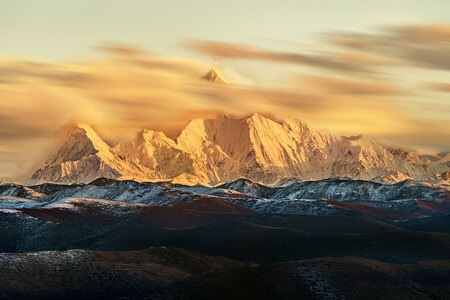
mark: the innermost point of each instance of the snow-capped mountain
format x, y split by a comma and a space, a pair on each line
214, 76
155, 156
223, 149
81, 155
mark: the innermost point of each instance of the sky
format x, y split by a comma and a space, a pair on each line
379, 68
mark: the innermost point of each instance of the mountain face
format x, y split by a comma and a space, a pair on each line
209, 151
79, 151
214, 76
154, 155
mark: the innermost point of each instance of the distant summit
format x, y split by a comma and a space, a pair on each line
215, 76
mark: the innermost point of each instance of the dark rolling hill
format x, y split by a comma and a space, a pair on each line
171, 273
129, 240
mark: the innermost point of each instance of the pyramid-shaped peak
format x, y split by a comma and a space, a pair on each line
75, 141
85, 126
215, 76
73, 125
76, 127
91, 134
72, 129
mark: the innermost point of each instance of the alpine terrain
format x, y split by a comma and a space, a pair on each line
233, 208
223, 149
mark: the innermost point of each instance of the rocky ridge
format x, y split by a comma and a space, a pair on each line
223, 149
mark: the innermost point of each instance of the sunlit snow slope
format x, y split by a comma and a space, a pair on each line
210, 151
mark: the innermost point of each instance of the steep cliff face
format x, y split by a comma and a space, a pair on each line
210, 151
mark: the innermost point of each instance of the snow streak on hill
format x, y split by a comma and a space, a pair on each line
223, 149
323, 197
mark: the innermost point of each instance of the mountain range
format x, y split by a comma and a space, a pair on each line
224, 148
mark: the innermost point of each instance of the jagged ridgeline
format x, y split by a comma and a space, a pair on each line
222, 149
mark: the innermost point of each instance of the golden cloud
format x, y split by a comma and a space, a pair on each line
426, 46
442, 87
237, 51
424, 130
127, 89
372, 60
352, 87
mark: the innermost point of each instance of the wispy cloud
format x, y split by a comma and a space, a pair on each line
351, 87
425, 131
365, 59
441, 87
237, 51
425, 46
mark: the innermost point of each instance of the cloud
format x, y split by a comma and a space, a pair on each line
419, 34
424, 135
366, 59
428, 57
425, 46
237, 51
352, 87
441, 87
121, 50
